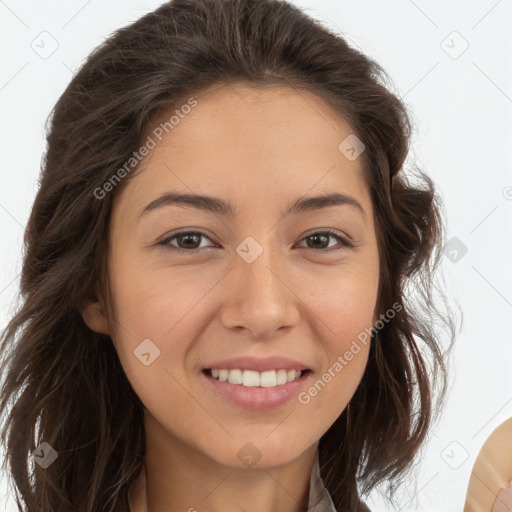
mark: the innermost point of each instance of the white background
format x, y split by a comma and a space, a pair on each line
462, 110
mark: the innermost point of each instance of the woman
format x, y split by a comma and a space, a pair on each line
275, 364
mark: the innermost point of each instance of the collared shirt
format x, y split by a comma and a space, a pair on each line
319, 497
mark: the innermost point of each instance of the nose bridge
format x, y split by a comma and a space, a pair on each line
256, 268
260, 301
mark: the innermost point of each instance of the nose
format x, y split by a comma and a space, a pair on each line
260, 298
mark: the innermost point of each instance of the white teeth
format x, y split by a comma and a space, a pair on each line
235, 377
268, 379
281, 377
251, 378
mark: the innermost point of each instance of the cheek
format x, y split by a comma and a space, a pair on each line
344, 302
171, 308
152, 345
345, 312
153, 302
346, 344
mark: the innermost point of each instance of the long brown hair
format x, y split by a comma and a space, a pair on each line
64, 384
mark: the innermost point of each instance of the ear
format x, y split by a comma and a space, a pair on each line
95, 317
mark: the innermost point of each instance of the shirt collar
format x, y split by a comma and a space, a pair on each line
319, 497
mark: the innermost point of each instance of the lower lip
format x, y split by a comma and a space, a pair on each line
257, 398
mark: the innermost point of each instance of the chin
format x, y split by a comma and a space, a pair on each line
261, 452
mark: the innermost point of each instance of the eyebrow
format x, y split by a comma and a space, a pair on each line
227, 208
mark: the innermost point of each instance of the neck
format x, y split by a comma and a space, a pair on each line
178, 478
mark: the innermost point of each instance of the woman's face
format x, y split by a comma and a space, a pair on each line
249, 282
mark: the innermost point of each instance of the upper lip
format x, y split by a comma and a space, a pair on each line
258, 364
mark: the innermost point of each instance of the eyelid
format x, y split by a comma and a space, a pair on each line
345, 241
331, 231
188, 231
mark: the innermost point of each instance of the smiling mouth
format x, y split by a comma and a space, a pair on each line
251, 378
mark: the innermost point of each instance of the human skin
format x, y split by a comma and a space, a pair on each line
492, 472
260, 150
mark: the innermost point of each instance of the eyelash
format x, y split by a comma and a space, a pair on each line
345, 244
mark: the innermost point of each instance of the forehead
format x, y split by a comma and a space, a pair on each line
240, 141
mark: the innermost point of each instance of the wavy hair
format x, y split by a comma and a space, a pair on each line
64, 384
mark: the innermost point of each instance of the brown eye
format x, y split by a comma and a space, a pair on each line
320, 240
190, 240
187, 241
